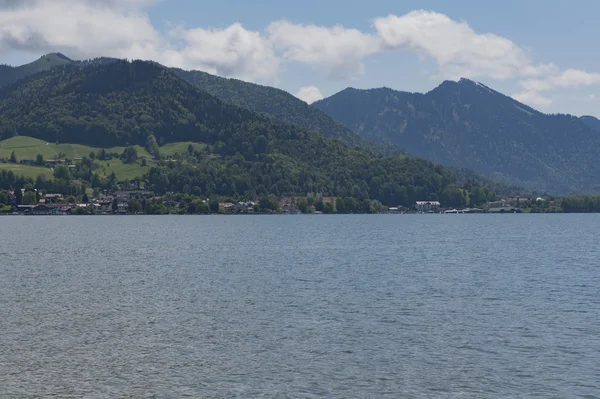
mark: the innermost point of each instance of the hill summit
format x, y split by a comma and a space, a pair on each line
468, 124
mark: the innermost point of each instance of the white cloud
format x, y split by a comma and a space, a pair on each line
339, 50
570, 78
533, 98
309, 94
79, 29
456, 47
233, 51
592, 97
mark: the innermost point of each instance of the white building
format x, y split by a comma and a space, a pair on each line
426, 206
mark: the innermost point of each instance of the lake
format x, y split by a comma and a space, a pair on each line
349, 306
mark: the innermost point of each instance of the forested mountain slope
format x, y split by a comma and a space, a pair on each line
123, 103
466, 124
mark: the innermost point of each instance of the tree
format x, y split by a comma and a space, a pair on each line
319, 206
129, 155
13, 157
134, 206
152, 146
265, 204
29, 198
214, 206
302, 205
260, 145
115, 205
190, 149
7, 131
18, 196
39, 160
62, 172
71, 199
85, 199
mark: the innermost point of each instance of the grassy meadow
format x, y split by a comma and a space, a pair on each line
29, 148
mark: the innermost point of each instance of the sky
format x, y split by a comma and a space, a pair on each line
542, 53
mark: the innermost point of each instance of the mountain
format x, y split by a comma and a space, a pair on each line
105, 104
268, 101
469, 125
280, 106
10, 74
592, 122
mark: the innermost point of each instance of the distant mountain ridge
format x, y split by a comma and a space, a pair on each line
10, 74
469, 125
270, 102
591, 122
278, 105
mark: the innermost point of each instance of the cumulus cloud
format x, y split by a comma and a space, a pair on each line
533, 98
233, 51
78, 28
339, 50
534, 89
309, 94
456, 47
570, 78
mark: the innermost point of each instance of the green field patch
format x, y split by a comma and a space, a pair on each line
29, 148
27, 170
123, 171
141, 151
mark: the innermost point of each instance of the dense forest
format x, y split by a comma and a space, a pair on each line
126, 103
281, 106
468, 125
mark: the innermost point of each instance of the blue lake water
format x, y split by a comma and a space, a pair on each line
390, 306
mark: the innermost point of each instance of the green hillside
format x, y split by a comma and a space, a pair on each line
26, 170
239, 152
280, 106
29, 148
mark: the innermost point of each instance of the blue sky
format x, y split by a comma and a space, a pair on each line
540, 52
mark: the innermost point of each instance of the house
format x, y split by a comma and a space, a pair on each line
24, 208
42, 209
12, 200
291, 209
497, 204
226, 206
65, 210
122, 207
53, 198
426, 206
53, 162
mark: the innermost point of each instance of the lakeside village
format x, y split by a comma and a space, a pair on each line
139, 201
